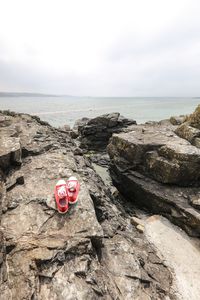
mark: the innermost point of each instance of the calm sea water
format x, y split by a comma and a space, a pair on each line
65, 110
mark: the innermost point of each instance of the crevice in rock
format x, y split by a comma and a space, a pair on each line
9, 248
97, 246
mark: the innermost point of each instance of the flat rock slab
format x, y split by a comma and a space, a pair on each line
38, 233
38, 187
171, 202
157, 152
180, 253
141, 139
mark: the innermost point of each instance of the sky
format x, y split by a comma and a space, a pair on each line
100, 47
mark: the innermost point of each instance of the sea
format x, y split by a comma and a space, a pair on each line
59, 111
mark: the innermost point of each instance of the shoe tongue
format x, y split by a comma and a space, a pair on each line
61, 193
72, 188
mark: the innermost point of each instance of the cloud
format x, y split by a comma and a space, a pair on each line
102, 48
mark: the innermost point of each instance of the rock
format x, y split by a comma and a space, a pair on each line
175, 163
188, 132
177, 120
136, 221
74, 134
89, 253
140, 228
95, 133
65, 128
14, 179
157, 153
10, 151
80, 123
156, 169
194, 118
196, 142
101, 159
194, 200
5, 121
78, 151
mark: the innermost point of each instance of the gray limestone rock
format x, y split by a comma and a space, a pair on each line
95, 133
10, 151
177, 120
188, 132
157, 170
89, 253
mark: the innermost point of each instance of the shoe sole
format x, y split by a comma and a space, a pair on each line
62, 212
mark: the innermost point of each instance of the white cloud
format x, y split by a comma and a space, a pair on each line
94, 47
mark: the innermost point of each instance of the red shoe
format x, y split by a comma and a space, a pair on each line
73, 187
60, 193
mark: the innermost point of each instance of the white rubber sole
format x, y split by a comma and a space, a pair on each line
62, 213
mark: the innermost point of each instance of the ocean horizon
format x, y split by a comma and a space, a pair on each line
62, 110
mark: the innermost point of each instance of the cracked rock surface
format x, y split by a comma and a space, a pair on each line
92, 252
94, 133
157, 167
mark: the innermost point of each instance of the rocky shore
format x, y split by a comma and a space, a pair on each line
99, 249
157, 166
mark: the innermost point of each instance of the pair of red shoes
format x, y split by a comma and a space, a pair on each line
65, 193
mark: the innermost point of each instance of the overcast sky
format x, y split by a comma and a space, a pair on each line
100, 47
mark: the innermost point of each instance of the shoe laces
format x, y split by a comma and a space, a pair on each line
62, 192
72, 186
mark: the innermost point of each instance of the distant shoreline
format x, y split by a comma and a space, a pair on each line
13, 94
27, 94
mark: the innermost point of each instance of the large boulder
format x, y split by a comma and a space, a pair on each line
175, 164
95, 133
10, 151
177, 120
194, 118
156, 151
190, 129
156, 169
191, 134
